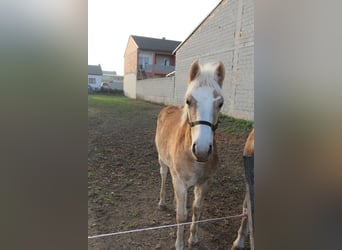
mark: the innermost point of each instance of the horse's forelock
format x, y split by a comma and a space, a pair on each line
207, 77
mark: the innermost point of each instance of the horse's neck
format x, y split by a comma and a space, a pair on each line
184, 135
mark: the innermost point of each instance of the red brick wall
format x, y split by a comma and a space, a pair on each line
131, 57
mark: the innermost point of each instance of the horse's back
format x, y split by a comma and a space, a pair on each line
168, 122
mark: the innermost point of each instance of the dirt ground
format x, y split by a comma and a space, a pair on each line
124, 182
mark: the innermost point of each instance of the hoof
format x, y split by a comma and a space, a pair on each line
238, 245
162, 207
193, 242
236, 248
194, 245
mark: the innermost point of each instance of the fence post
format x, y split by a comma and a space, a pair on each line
249, 174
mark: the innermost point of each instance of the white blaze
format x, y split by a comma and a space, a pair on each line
202, 135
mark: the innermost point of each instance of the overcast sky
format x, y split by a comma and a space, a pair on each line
110, 22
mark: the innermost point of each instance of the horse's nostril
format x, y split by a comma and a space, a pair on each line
210, 149
193, 148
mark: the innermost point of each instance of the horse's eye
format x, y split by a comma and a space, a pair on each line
188, 101
221, 104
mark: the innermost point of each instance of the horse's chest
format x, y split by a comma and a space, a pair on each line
199, 173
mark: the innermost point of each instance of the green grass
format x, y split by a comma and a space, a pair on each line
108, 101
112, 197
90, 173
236, 127
121, 103
128, 107
122, 107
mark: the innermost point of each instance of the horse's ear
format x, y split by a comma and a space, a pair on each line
194, 70
220, 73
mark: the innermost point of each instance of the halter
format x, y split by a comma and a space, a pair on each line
192, 124
213, 127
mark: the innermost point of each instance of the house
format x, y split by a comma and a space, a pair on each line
108, 76
95, 76
147, 57
227, 35
113, 80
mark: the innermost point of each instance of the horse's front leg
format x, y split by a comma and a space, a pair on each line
243, 230
163, 173
200, 192
181, 212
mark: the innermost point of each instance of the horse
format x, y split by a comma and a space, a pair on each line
243, 230
186, 143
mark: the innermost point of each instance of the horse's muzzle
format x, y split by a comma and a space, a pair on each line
201, 155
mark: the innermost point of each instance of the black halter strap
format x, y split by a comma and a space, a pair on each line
213, 127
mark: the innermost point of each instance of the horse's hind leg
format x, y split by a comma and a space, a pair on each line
239, 242
163, 173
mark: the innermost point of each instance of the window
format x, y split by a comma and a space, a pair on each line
145, 58
91, 80
163, 60
166, 61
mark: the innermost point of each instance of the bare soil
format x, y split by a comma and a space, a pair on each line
124, 182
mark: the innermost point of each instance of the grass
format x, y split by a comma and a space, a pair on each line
236, 127
119, 102
125, 105
90, 173
112, 198
98, 100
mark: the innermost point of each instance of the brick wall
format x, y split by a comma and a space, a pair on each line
131, 57
227, 35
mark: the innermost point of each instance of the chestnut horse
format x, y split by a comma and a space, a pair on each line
243, 230
186, 144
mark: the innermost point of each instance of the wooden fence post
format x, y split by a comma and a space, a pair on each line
249, 174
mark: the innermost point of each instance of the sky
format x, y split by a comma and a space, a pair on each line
111, 22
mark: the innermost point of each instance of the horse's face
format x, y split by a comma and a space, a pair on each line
203, 103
